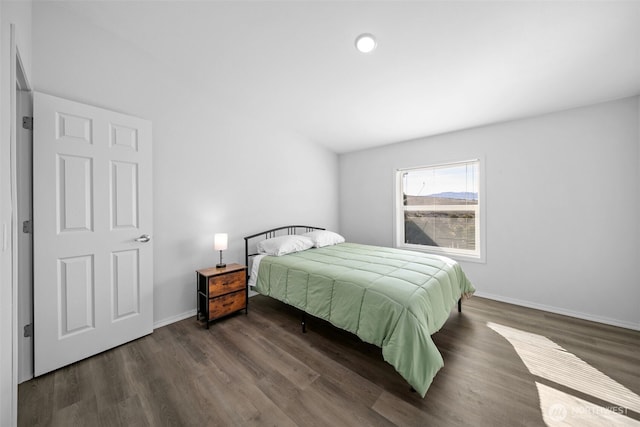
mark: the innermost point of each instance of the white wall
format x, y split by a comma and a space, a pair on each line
19, 14
562, 199
213, 170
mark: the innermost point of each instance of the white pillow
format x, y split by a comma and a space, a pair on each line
283, 245
322, 238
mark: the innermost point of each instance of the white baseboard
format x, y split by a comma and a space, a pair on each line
562, 311
185, 315
173, 319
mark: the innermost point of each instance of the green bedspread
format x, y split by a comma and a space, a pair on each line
392, 298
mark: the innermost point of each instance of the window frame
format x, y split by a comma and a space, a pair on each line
479, 255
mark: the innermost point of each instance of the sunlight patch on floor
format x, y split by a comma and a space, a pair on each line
550, 361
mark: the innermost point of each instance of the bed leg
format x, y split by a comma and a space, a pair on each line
304, 322
460, 305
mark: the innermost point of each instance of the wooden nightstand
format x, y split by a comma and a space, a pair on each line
221, 291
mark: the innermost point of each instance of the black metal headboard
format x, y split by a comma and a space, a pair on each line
274, 232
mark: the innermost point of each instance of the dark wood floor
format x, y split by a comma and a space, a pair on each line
261, 370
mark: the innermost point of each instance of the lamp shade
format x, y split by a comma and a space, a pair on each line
220, 241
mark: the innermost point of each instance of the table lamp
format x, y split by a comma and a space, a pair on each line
220, 244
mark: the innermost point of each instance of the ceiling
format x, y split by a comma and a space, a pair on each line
440, 66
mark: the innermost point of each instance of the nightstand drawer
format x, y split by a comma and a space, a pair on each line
227, 304
226, 283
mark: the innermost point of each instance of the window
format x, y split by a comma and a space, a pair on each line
438, 209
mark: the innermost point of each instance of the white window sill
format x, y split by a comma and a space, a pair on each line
480, 259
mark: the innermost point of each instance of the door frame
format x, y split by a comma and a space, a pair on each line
24, 241
18, 78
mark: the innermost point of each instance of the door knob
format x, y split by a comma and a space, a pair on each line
143, 239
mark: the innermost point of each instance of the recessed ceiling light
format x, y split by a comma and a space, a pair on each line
366, 43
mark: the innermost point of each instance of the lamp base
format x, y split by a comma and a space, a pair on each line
221, 264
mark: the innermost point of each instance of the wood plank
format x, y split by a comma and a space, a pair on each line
259, 369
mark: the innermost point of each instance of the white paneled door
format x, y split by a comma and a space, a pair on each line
93, 258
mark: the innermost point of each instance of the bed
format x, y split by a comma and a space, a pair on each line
392, 298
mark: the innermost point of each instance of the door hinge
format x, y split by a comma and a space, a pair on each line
27, 227
28, 330
27, 123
